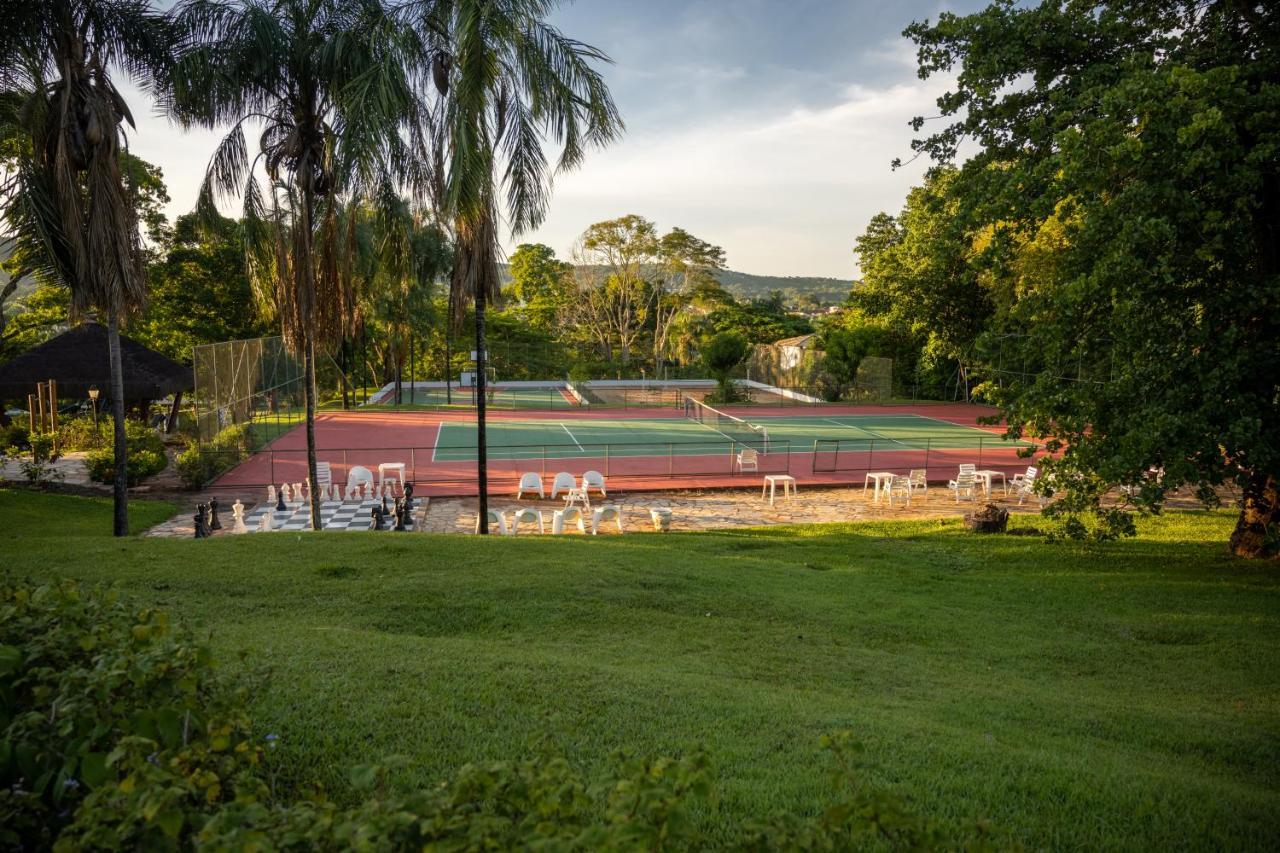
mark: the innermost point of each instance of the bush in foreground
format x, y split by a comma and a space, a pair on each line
121, 733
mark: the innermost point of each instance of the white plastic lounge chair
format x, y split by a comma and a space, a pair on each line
748, 459
530, 515
608, 512
594, 480
918, 480
964, 483
530, 482
901, 487
572, 515
563, 482
968, 468
497, 518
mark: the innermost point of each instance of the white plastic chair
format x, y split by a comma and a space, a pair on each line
748, 459
497, 518
918, 480
563, 482
1024, 485
900, 486
594, 480
359, 477
609, 512
965, 482
530, 482
530, 515
567, 516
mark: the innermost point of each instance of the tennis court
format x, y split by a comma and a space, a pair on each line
568, 439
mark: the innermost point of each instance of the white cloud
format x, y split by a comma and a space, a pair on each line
784, 193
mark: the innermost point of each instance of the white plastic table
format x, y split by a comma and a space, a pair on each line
985, 477
384, 467
771, 482
577, 494
878, 477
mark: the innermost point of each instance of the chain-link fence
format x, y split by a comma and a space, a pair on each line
238, 382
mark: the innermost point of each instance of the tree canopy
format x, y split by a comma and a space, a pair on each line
1126, 195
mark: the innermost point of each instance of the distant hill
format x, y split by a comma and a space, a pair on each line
747, 286
744, 285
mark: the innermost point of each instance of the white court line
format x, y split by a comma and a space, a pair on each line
574, 437
876, 435
436, 444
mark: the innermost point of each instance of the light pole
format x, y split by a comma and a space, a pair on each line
93, 399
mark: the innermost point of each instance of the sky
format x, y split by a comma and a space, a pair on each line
766, 127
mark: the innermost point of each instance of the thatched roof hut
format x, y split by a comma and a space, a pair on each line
78, 358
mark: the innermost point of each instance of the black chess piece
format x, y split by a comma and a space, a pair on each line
400, 515
201, 530
214, 522
408, 496
378, 517
385, 511
280, 507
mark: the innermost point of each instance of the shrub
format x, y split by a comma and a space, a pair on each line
721, 353
37, 466
146, 456
81, 434
16, 437
199, 464
116, 727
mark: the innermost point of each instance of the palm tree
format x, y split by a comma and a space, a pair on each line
65, 198
326, 82
500, 82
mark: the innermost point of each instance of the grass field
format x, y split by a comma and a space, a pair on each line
1123, 696
533, 439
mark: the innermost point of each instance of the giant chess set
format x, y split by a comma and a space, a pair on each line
363, 507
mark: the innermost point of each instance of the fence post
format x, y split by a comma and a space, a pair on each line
273, 466
670, 459
413, 467
980, 441
871, 455
606, 460
927, 443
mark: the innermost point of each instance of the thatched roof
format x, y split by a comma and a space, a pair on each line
77, 359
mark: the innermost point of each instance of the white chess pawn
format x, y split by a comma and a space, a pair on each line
237, 510
264, 523
271, 495
285, 493
297, 492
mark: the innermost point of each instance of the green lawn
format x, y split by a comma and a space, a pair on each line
1122, 696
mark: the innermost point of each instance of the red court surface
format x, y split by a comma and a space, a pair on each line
819, 450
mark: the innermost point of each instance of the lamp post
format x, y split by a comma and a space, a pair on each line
93, 399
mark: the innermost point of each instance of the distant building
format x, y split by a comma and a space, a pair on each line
791, 350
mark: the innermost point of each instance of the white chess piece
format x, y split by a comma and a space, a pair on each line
297, 492
271, 495
324, 493
285, 494
264, 523
237, 510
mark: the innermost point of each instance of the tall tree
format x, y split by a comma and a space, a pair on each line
66, 199
540, 282
1146, 132
613, 262
503, 83
684, 262
328, 82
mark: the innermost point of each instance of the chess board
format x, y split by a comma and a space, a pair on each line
334, 515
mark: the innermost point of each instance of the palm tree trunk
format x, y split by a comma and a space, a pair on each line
120, 490
482, 460
308, 299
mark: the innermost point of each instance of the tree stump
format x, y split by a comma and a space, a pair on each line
989, 519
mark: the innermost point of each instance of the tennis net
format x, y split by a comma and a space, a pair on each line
735, 429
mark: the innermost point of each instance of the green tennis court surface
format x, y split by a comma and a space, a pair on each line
663, 436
